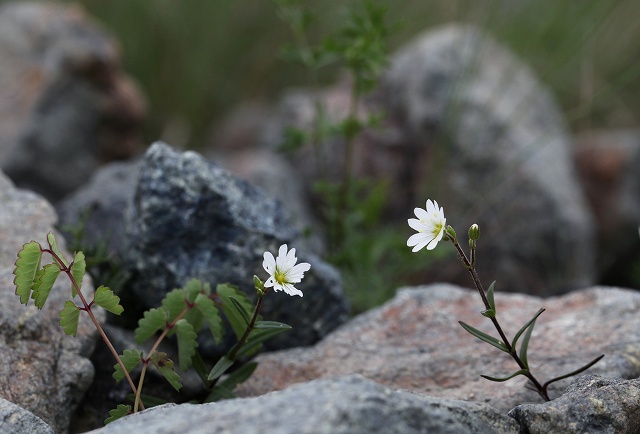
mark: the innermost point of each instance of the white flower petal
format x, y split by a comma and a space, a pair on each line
269, 263
421, 214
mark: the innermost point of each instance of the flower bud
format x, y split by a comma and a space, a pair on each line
450, 232
474, 232
259, 284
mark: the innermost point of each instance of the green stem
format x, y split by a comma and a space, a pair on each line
542, 391
252, 323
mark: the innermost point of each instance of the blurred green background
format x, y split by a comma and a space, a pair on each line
197, 59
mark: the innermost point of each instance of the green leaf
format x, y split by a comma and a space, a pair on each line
525, 344
220, 368
69, 317
237, 321
485, 337
165, 366
44, 282
211, 314
241, 310
490, 298
271, 325
130, 359
186, 343
27, 266
525, 327
195, 287
224, 390
258, 336
51, 240
489, 313
152, 321
106, 299
174, 303
77, 271
118, 412
499, 380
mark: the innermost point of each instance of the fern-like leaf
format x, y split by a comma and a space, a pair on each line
210, 312
69, 317
77, 271
195, 287
186, 343
106, 299
152, 321
118, 412
130, 359
44, 282
165, 366
174, 303
27, 267
236, 319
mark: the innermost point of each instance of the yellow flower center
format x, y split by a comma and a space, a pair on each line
280, 277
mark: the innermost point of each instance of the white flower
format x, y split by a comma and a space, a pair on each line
430, 225
283, 271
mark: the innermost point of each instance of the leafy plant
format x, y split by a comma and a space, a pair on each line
183, 313
431, 226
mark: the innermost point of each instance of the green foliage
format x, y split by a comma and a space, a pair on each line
152, 321
224, 389
69, 317
165, 366
120, 411
237, 320
208, 310
130, 359
106, 299
186, 343
77, 271
221, 366
485, 337
26, 269
263, 331
45, 279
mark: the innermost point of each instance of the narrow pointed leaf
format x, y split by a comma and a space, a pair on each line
165, 366
27, 266
211, 315
490, 297
220, 368
77, 271
44, 282
152, 321
272, 325
485, 337
106, 299
241, 310
225, 389
526, 326
118, 412
69, 317
499, 380
237, 321
257, 337
525, 344
489, 313
130, 359
186, 343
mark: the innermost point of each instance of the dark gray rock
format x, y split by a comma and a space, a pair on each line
106, 196
591, 404
15, 420
489, 143
191, 218
67, 106
350, 405
43, 370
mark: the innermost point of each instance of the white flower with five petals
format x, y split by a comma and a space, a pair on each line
430, 224
283, 270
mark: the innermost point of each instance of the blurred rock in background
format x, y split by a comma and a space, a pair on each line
66, 105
